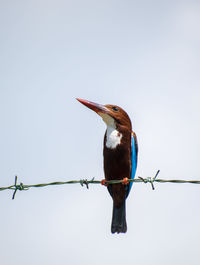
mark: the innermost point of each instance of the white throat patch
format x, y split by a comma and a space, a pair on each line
113, 137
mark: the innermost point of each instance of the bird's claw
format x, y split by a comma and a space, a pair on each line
125, 181
103, 182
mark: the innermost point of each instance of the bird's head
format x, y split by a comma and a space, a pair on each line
112, 115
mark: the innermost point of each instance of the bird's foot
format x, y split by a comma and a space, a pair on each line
125, 181
103, 182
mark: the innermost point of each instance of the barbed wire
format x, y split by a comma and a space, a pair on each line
86, 182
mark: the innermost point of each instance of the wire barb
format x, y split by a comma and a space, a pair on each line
150, 179
18, 187
84, 181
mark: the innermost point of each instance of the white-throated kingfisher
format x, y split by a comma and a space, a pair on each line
120, 158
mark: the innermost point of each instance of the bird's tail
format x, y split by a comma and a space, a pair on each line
119, 219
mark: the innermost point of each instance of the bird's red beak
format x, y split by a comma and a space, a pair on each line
93, 106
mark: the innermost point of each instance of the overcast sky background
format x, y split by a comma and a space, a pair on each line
141, 55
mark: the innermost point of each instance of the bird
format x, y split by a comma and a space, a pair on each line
120, 154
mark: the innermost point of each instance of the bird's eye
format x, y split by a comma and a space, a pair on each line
115, 108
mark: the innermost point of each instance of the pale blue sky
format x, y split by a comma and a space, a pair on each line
141, 55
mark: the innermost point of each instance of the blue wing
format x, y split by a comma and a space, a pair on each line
134, 152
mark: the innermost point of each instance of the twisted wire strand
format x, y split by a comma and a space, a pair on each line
86, 182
